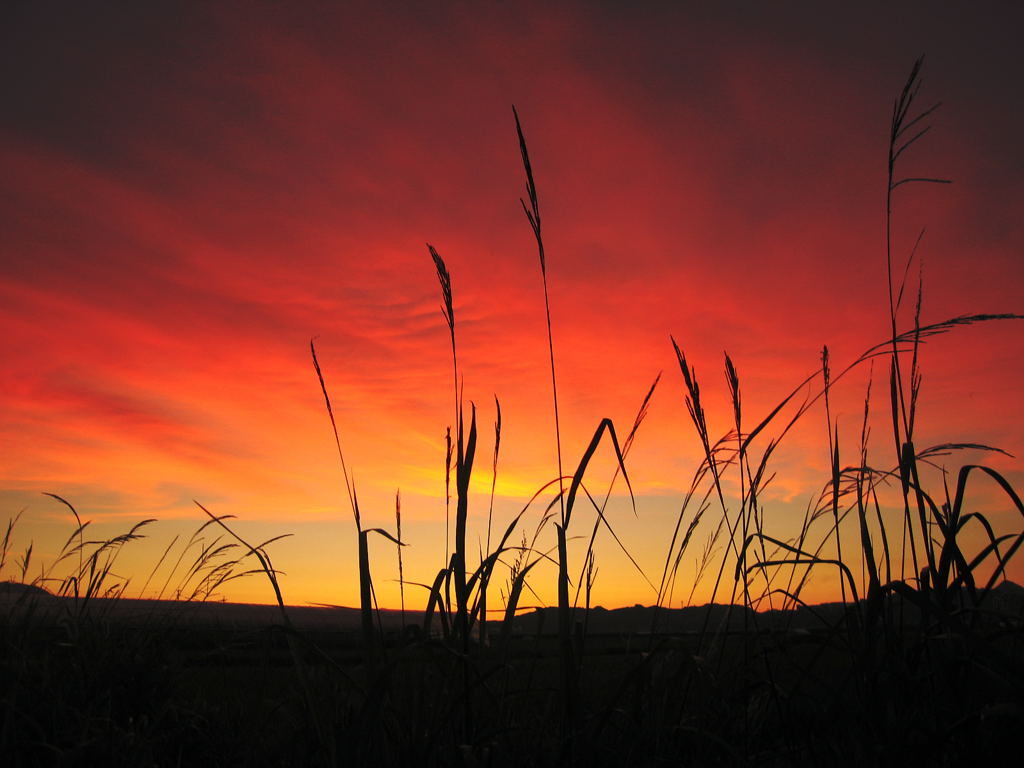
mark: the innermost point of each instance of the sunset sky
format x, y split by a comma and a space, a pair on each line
192, 191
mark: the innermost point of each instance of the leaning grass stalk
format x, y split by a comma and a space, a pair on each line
733, 384
569, 668
485, 575
6, 544
697, 416
401, 570
533, 216
464, 471
349, 485
564, 612
901, 411
465, 450
436, 602
152, 573
627, 444
24, 561
444, 278
833, 455
673, 556
366, 599
365, 585
864, 488
568, 663
261, 556
447, 494
448, 311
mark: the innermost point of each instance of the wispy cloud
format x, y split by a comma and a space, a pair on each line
192, 193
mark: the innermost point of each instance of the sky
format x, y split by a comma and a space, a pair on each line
191, 192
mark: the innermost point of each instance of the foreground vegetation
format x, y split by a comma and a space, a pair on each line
922, 661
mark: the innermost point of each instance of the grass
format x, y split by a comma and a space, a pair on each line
921, 662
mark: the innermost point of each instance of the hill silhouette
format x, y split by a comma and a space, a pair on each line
1005, 599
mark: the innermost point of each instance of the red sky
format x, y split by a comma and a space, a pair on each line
190, 193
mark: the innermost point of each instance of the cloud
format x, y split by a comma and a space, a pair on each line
192, 193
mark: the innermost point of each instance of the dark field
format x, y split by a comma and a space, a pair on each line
128, 682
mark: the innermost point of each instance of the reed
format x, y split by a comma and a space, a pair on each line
569, 676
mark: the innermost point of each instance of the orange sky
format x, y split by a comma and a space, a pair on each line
191, 193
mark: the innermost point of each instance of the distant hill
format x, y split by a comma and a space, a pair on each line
1007, 599
212, 614
15, 589
716, 616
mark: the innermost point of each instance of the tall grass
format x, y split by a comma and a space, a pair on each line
569, 672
